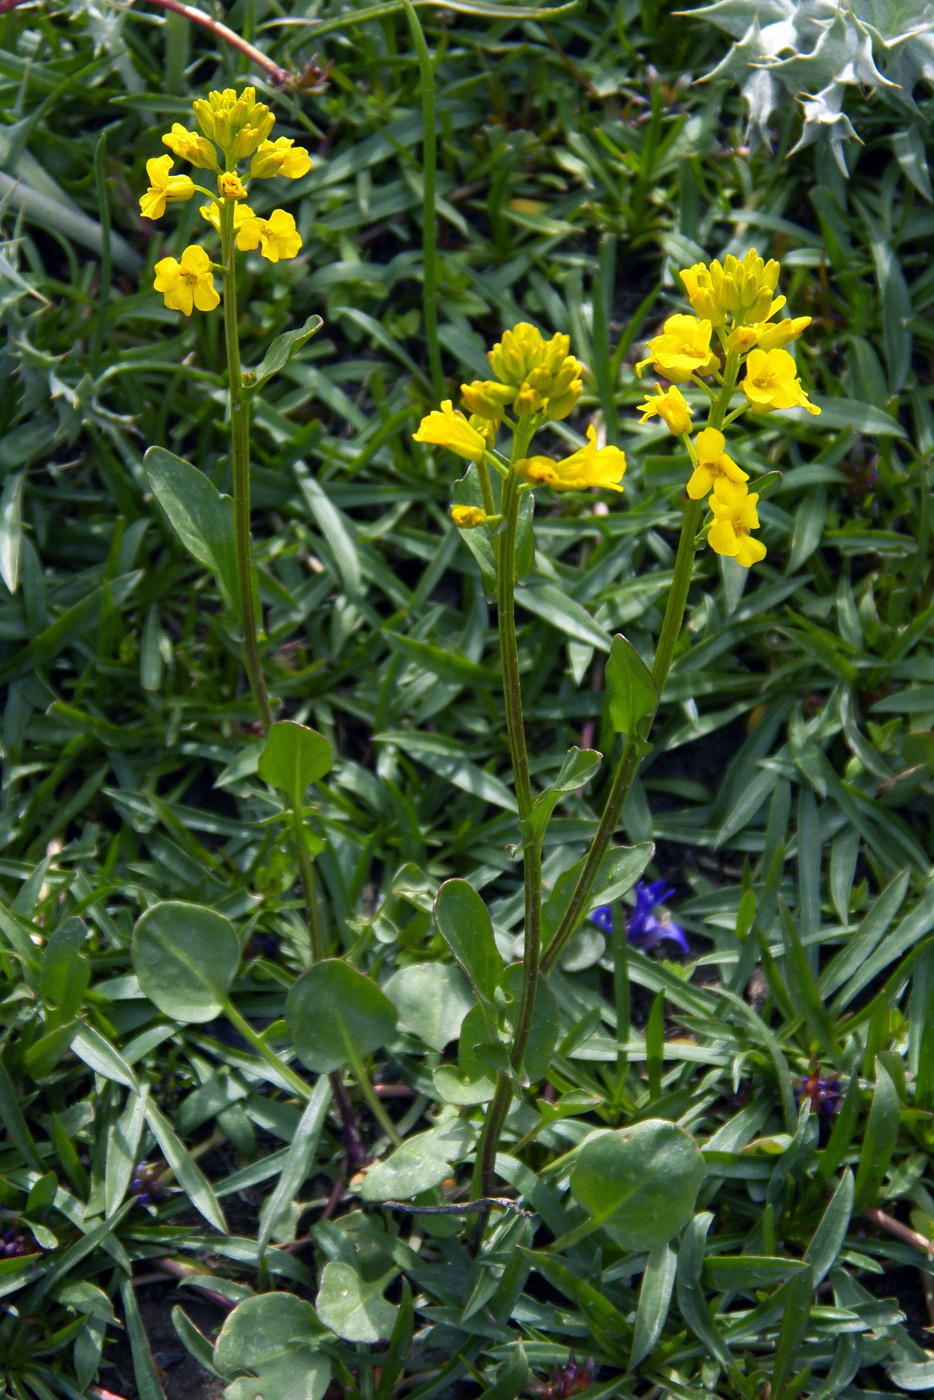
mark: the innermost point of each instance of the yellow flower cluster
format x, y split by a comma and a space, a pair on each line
734, 303
236, 129
539, 381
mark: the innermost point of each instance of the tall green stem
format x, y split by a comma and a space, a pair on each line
485, 1171
240, 457
429, 172
664, 652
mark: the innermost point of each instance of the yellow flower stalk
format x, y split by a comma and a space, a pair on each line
237, 124
163, 187
449, 428
671, 406
280, 157
734, 510
771, 382
713, 465
187, 283
682, 350
588, 466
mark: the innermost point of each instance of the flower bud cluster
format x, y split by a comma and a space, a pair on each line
533, 376
233, 129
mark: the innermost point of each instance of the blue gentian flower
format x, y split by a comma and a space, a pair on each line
646, 929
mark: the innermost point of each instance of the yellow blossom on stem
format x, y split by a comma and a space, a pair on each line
188, 145
713, 465
775, 336
588, 466
682, 350
468, 517
734, 510
276, 237
669, 405
280, 157
242, 215
447, 427
771, 382
230, 186
163, 187
187, 283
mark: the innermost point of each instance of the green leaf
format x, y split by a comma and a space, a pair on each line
432, 1000
64, 972
190, 1176
421, 1163
619, 871
11, 529
543, 1034
186, 957
658, 1281
466, 927
123, 1150
354, 1309
144, 1368
201, 517
278, 355
44, 1054
879, 1141
297, 1163
293, 758
827, 1240
552, 605
336, 1015
273, 1337
633, 693
641, 1182
578, 768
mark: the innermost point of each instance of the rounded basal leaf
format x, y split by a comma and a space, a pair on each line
640, 1181
293, 758
272, 1336
432, 1000
186, 958
336, 1014
354, 1309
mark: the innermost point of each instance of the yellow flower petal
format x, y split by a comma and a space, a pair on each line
449, 428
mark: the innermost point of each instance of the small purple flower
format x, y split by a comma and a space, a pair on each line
645, 928
823, 1093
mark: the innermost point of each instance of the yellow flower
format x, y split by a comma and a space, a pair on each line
277, 236
230, 186
671, 406
771, 382
449, 428
278, 158
682, 350
163, 187
588, 466
735, 515
242, 214
237, 124
186, 283
742, 290
713, 465
468, 517
188, 145
774, 337
543, 376
486, 398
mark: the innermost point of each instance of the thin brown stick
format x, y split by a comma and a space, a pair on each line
311, 77
899, 1231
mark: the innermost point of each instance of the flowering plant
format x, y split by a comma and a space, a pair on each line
733, 347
